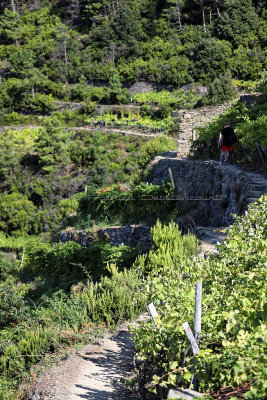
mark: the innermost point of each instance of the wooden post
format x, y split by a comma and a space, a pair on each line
191, 338
197, 319
22, 258
171, 176
152, 310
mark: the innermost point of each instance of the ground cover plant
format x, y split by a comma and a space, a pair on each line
233, 319
175, 99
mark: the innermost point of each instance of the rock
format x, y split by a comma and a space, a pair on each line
129, 235
185, 394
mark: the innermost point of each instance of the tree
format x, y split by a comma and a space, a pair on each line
126, 31
247, 63
220, 91
9, 23
116, 93
22, 60
217, 4
210, 58
236, 21
50, 145
201, 4
175, 9
99, 10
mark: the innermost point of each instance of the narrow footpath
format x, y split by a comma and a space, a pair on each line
94, 373
107, 129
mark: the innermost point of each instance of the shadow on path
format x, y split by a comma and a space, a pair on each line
104, 369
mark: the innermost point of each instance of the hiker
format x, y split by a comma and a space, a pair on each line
95, 123
226, 141
102, 123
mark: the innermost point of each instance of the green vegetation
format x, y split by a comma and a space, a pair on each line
54, 296
169, 250
154, 123
65, 294
220, 91
232, 353
53, 50
175, 99
40, 169
39, 317
141, 204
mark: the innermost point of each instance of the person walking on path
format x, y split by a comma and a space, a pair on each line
226, 141
95, 123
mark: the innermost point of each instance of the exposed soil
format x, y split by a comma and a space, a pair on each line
95, 372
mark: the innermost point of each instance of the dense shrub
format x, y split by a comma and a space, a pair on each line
17, 214
143, 203
71, 261
220, 91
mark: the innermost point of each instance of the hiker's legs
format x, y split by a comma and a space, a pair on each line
226, 156
222, 157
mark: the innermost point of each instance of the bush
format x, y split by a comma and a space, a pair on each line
17, 214
219, 91
8, 265
12, 306
138, 204
71, 262
39, 104
170, 249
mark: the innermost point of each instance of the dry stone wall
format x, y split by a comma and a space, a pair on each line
214, 191
130, 235
190, 120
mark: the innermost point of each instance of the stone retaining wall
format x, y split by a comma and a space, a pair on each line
130, 235
197, 181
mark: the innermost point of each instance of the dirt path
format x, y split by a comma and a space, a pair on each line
93, 373
102, 367
84, 128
